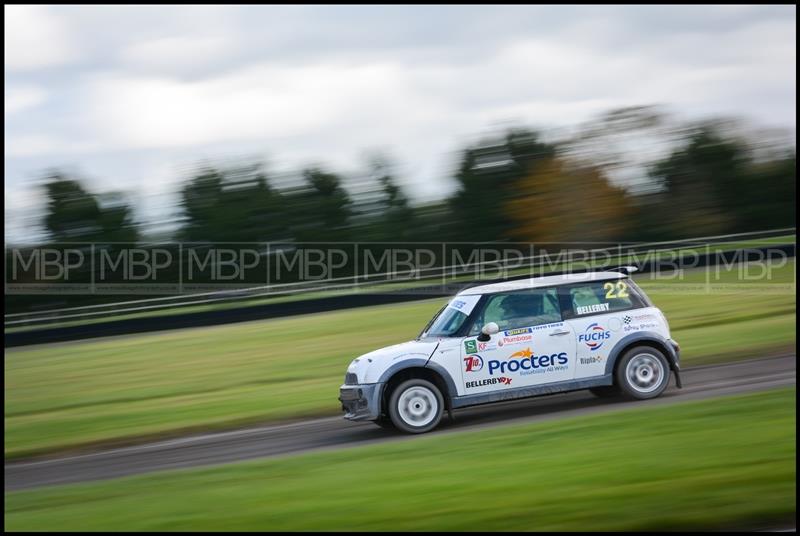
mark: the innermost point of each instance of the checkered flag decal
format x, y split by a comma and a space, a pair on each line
627, 319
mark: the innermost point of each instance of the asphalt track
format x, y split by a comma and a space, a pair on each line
335, 432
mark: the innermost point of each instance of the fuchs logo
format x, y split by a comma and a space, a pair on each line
594, 336
528, 363
502, 380
470, 346
474, 363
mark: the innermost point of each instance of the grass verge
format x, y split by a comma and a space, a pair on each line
718, 463
104, 391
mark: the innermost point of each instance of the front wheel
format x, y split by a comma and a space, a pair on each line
416, 406
643, 373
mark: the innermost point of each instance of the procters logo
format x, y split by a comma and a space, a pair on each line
474, 363
525, 362
594, 336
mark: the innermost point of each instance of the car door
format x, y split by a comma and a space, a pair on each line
533, 347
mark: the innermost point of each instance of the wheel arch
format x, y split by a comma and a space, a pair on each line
417, 368
642, 338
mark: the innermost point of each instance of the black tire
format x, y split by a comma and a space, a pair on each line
642, 373
416, 398
606, 391
384, 422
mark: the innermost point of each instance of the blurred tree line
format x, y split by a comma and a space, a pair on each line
632, 174
515, 186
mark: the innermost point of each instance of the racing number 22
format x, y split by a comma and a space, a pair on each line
620, 288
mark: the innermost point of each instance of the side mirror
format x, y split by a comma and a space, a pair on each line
487, 331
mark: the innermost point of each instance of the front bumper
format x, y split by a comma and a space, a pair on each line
361, 402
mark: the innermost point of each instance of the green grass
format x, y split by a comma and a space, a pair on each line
135, 387
714, 464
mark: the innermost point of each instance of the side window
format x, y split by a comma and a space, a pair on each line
519, 309
600, 297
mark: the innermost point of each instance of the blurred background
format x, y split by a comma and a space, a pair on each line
263, 123
300, 124
498, 125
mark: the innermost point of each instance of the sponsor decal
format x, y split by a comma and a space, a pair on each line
521, 354
503, 380
591, 360
473, 363
526, 362
471, 346
520, 331
458, 304
545, 326
517, 339
594, 336
646, 325
639, 318
586, 309
465, 304
483, 346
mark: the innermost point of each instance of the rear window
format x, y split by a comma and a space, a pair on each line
600, 297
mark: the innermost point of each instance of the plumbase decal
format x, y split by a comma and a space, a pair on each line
525, 362
471, 346
586, 309
503, 380
594, 336
473, 363
516, 339
516, 336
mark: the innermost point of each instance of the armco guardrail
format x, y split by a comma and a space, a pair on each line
316, 305
355, 283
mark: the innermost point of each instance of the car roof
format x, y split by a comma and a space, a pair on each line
545, 281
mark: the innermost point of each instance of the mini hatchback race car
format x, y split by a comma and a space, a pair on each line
504, 341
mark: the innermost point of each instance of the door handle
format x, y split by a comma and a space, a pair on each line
564, 332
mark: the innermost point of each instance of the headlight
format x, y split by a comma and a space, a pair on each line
350, 379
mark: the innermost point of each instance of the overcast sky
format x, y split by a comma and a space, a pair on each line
131, 97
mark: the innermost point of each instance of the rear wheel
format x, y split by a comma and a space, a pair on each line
416, 406
643, 373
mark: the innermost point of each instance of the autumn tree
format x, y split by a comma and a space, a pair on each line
559, 201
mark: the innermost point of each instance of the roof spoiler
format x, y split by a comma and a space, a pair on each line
627, 270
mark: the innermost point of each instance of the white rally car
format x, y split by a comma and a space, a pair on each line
504, 341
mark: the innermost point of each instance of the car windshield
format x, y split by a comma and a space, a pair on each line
450, 319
